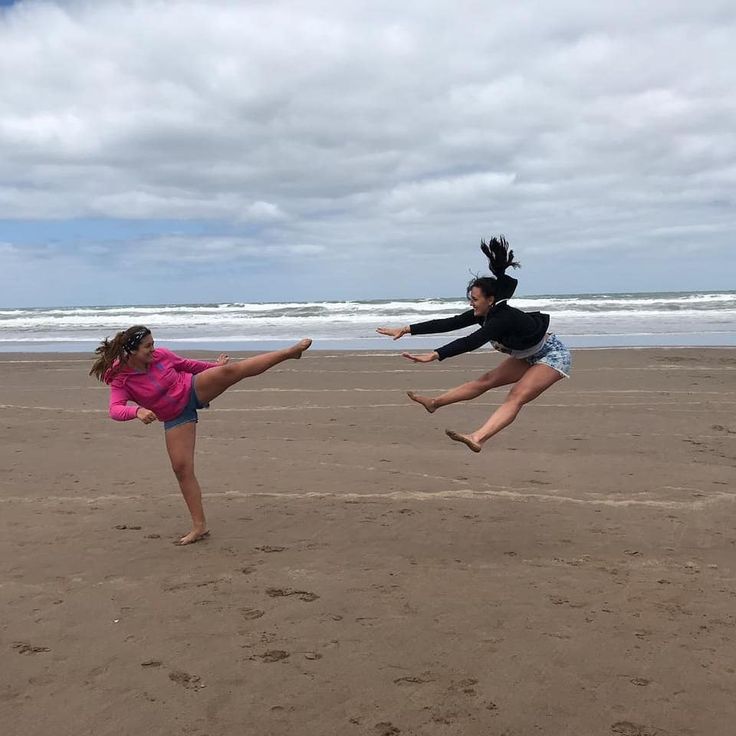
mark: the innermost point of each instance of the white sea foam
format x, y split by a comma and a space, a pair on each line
689, 318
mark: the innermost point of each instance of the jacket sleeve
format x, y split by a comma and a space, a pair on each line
119, 409
489, 332
186, 365
444, 325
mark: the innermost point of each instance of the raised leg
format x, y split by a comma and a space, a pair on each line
212, 382
180, 445
510, 371
536, 380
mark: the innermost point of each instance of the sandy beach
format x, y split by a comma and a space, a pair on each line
365, 575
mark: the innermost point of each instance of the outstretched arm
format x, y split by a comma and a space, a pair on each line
430, 326
448, 324
421, 358
473, 341
394, 332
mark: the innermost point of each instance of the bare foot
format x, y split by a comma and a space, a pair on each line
196, 535
300, 347
472, 444
426, 402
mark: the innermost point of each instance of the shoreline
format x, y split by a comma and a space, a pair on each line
30, 358
373, 344
276, 345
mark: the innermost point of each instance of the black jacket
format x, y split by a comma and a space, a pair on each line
508, 328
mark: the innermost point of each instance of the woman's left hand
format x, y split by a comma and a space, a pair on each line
425, 358
222, 359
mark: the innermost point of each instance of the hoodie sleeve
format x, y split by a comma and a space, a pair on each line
491, 331
185, 365
119, 409
448, 324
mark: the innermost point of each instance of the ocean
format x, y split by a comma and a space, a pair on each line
581, 320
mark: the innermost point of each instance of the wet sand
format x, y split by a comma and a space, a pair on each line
366, 575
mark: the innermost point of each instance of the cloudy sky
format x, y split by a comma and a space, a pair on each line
204, 151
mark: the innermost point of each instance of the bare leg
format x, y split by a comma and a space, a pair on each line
510, 371
212, 382
536, 380
180, 446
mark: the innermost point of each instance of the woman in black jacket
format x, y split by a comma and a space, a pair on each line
537, 359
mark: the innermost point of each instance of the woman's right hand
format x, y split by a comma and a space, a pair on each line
146, 415
394, 332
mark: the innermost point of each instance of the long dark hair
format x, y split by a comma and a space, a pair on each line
500, 257
117, 350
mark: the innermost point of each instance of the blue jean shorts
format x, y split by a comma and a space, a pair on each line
189, 413
555, 354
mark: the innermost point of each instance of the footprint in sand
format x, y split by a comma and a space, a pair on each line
366, 620
333, 617
272, 655
558, 600
251, 613
303, 595
42, 680
191, 682
626, 728
122, 527
414, 680
269, 548
184, 586
386, 728
446, 718
466, 685
23, 647
151, 663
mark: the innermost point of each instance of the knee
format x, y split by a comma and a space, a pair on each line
183, 469
516, 399
486, 381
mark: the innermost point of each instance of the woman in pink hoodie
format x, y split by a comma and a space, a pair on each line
165, 387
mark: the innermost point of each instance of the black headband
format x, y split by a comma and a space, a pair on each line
134, 340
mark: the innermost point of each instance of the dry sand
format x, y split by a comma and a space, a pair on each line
366, 575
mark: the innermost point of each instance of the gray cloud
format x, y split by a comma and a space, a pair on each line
374, 132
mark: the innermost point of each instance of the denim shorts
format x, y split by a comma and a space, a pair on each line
189, 413
555, 354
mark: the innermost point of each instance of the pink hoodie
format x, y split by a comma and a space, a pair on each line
163, 388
